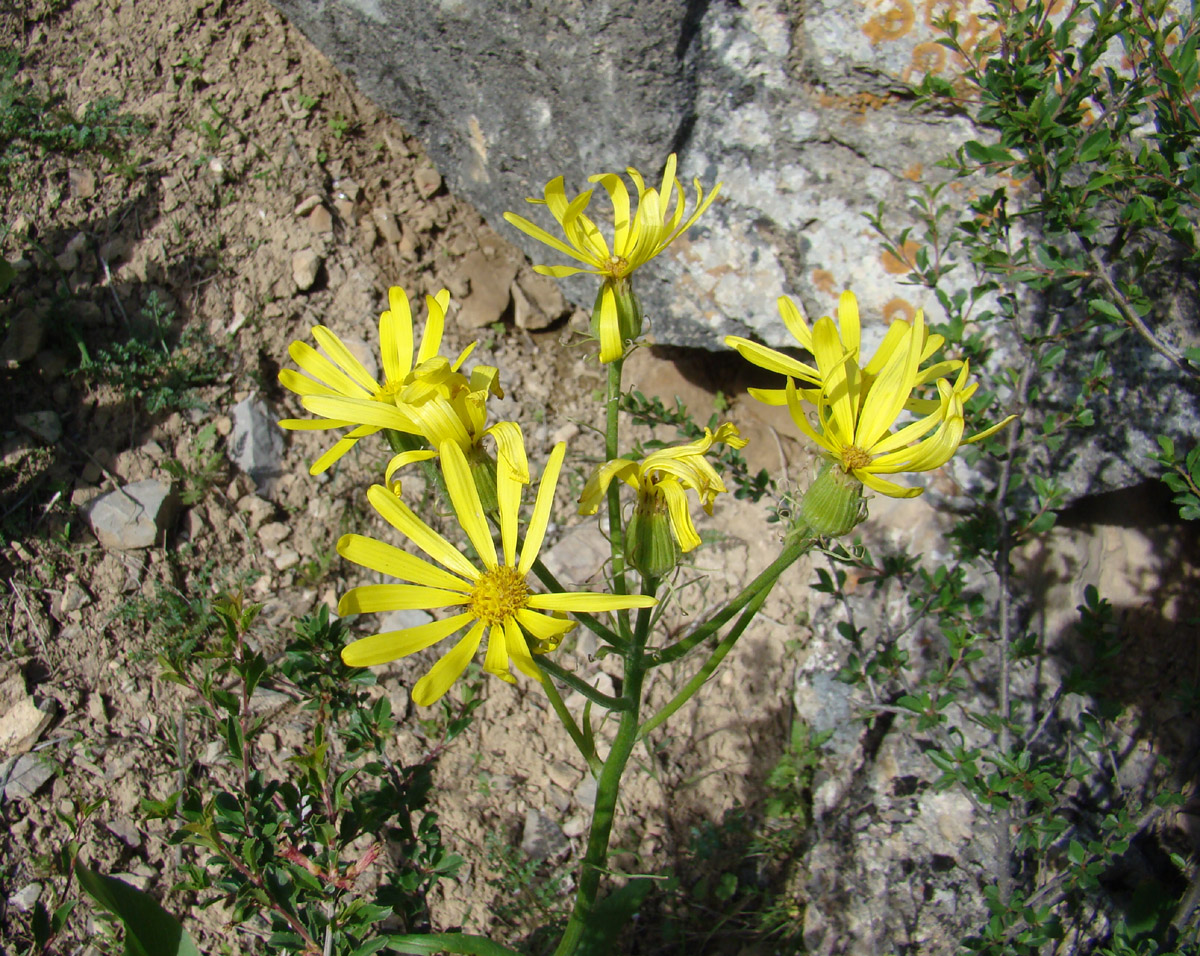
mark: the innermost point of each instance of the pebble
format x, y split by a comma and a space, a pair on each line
24, 339
320, 220
135, 516
428, 181
545, 300
542, 838
273, 533
26, 897
83, 183
491, 281
305, 266
305, 206
44, 425
579, 555
287, 558
255, 442
125, 831
347, 189
386, 223
26, 776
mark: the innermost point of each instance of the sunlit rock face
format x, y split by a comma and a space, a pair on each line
802, 110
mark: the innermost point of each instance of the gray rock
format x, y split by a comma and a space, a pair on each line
126, 831
24, 776
24, 338
44, 425
134, 516
792, 105
255, 442
578, 557
26, 897
542, 838
399, 620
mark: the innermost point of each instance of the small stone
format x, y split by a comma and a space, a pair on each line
305, 206
400, 620
319, 220
305, 266
347, 189
428, 181
26, 775
287, 558
386, 223
346, 210
576, 826
255, 442
562, 774
125, 831
491, 281
22, 722
114, 249
257, 510
564, 433
580, 554
585, 793
134, 516
44, 425
26, 897
273, 533
545, 301
74, 598
83, 183
542, 838
97, 709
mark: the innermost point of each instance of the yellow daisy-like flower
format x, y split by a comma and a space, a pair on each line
639, 234
850, 331
662, 479
497, 599
855, 413
341, 375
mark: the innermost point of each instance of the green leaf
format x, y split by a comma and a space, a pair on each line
427, 944
1106, 308
149, 929
610, 916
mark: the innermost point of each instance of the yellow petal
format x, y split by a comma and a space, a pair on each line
344, 357
589, 601
538, 521
599, 480
543, 626
396, 513
495, 661
519, 651
318, 366
393, 645
793, 318
465, 498
848, 322
681, 520
396, 336
334, 454
540, 234
374, 598
889, 488
771, 360
433, 686
390, 560
510, 449
611, 346
435, 323
406, 458
363, 411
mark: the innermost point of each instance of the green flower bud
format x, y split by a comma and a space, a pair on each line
650, 547
629, 309
834, 503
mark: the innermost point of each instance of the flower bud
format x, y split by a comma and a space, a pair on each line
834, 503
650, 547
629, 309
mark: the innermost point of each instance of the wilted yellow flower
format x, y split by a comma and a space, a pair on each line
497, 599
662, 479
848, 320
342, 376
639, 234
855, 412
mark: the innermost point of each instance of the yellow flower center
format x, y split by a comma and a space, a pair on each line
498, 595
854, 457
616, 266
388, 391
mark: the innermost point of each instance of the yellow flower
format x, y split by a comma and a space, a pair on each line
639, 234
848, 320
497, 599
342, 376
855, 412
663, 477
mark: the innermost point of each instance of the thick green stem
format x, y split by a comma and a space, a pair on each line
710, 665
763, 583
609, 784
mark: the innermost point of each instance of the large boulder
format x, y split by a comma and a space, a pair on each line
799, 108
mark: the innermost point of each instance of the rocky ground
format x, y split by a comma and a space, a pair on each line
262, 196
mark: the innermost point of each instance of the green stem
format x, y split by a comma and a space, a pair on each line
602, 631
616, 530
764, 582
714, 660
587, 748
575, 682
609, 784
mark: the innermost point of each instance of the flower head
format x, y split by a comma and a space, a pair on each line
856, 411
639, 234
342, 379
848, 328
662, 479
495, 600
